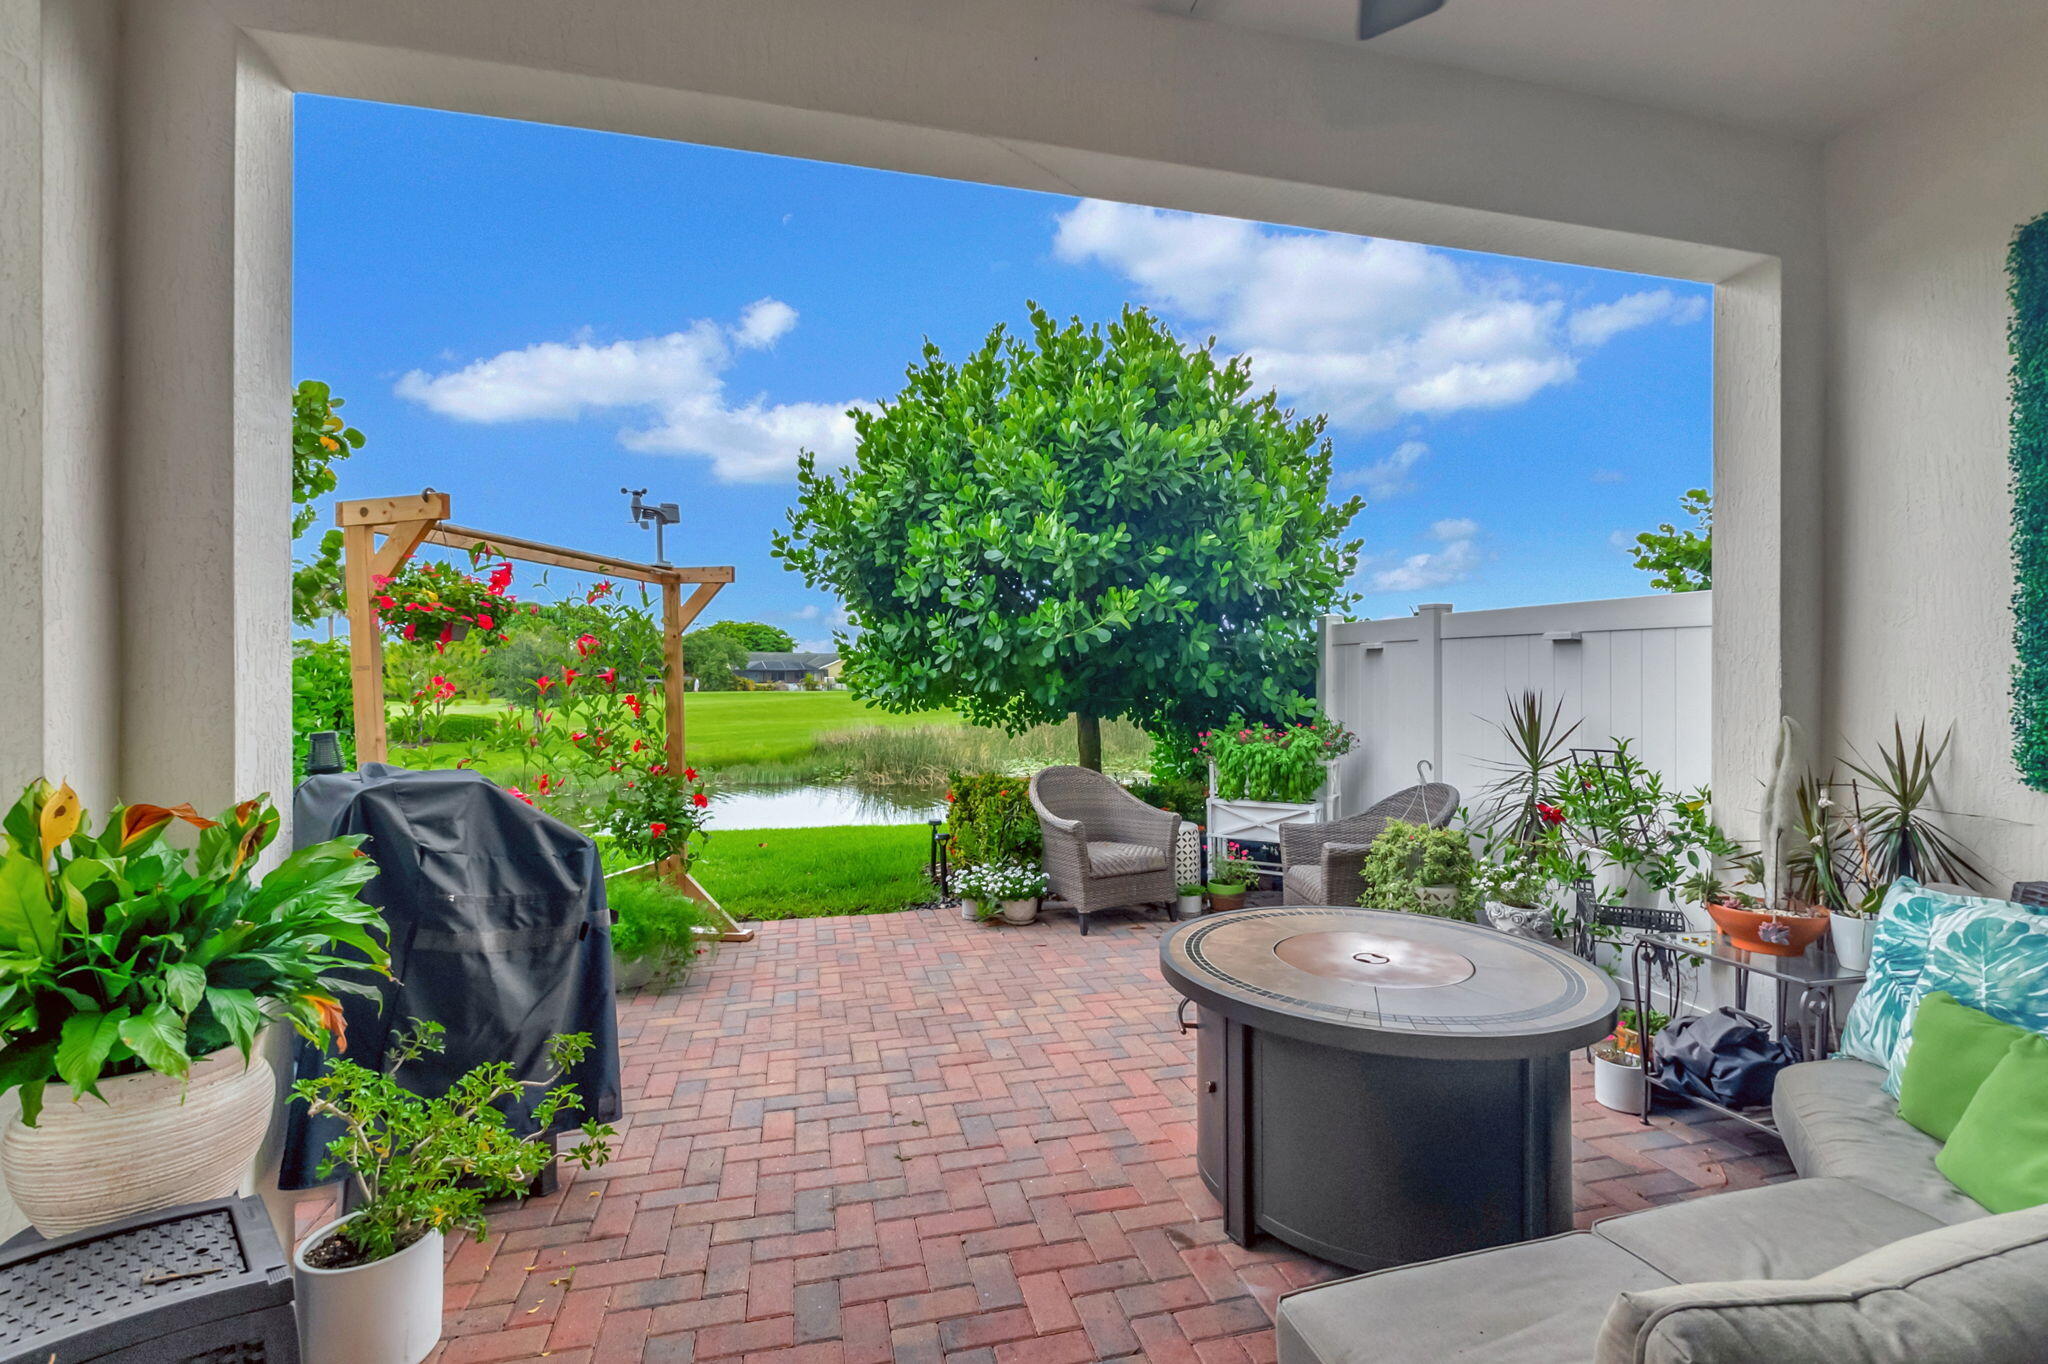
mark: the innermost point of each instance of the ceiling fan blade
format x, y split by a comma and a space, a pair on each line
1382, 16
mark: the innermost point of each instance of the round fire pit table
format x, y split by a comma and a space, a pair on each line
1379, 1088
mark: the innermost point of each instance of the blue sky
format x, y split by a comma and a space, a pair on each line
530, 317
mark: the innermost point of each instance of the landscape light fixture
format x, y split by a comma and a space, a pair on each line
1383, 16
645, 515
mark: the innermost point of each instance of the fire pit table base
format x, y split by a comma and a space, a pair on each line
1375, 1161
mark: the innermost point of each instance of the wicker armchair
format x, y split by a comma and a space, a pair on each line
1321, 863
1103, 846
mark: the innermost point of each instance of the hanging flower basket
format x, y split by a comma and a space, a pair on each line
438, 603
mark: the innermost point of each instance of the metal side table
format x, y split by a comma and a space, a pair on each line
1805, 987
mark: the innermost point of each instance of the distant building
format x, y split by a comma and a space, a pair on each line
792, 669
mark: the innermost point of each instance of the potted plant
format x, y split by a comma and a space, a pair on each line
1515, 892
1264, 776
1231, 880
135, 979
368, 1284
659, 934
1004, 891
1187, 901
1415, 868
1618, 1075
435, 602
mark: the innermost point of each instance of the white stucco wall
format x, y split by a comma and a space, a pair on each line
1921, 205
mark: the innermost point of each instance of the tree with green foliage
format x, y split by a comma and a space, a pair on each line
753, 635
1092, 521
1681, 560
320, 440
713, 657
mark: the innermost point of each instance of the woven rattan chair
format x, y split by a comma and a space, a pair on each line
1103, 846
1321, 864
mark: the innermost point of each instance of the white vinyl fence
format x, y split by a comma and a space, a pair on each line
1432, 686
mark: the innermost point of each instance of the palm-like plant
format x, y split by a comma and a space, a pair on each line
1536, 744
1903, 840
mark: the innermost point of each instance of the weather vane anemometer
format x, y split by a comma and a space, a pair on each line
657, 516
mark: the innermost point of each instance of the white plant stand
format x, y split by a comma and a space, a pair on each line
1255, 821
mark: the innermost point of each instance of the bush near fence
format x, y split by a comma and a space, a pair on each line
990, 819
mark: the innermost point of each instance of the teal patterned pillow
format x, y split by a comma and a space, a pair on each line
1993, 959
1898, 952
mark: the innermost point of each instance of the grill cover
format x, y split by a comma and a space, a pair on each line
499, 932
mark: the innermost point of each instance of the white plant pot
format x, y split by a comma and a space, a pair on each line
631, 973
1852, 940
1436, 897
970, 910
1187, 906
385, 1312
1617, 1086
1523, 921
157, 1142
1020, 911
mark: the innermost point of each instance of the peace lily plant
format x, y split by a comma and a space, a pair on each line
138, 974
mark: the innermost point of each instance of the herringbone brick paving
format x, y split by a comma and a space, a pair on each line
906, 1137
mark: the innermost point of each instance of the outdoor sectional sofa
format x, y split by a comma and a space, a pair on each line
1872, 1255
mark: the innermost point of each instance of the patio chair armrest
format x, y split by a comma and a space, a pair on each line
1066, 844
1344, 872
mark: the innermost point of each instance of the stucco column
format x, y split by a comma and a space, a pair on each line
206, 291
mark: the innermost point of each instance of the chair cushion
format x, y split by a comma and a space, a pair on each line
1539, 1302
1125, 859
1779, 1231
1302, 885
1837, 1120
1967, 1294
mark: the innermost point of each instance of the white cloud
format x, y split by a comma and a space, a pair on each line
1601, 323
1362, 329
1453, 560
762, 323
1608, 476
1387, 477
678, 378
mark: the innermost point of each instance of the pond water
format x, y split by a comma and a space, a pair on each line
807, 807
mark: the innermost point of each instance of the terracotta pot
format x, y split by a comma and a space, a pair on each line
1744, 928
1222, 901
157, 1142
384, 1312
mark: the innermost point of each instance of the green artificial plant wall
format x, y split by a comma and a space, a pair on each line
2028, 266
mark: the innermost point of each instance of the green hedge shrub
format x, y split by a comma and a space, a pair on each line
990, 819
461, 729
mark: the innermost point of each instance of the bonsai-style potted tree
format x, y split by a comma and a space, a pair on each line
1618, 1076
1004, 892
1231, 879
1187, 900
136, 980
368, 1285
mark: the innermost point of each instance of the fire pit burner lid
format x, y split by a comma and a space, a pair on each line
1374, 959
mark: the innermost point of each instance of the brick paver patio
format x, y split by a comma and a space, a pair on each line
908, 1137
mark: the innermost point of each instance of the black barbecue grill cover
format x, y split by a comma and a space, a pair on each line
499, 932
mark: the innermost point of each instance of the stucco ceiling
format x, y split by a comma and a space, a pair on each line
1807, 67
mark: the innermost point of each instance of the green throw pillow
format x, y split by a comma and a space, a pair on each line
1998, 1153
1954, 1048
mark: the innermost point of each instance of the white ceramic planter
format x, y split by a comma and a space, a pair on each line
155, 1143
1852, 940
1523, 921
1020, 911
1617, 1086
631, 973
1436, 899
387, 1312
970, 910
1187, 906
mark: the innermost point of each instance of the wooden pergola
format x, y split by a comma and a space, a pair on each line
379, 534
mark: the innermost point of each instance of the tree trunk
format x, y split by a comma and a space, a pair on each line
1088, 729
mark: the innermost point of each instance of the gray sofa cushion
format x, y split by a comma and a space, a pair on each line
1964, 1294
1540, 1302
1302, 886
1836, 1120
1779, 1231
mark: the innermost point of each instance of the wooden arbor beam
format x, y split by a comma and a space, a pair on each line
408, 522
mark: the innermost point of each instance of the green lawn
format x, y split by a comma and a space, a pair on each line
803, 873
